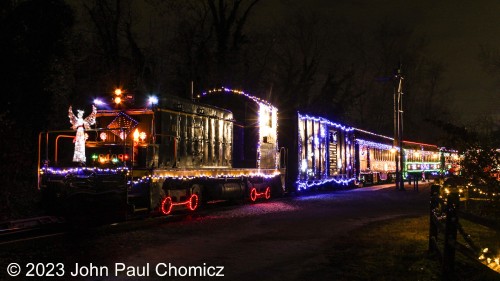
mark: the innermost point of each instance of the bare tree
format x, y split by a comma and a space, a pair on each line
228, 21
298, 48
120, 60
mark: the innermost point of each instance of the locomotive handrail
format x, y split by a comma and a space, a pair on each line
56, 148
46, 133
87, 130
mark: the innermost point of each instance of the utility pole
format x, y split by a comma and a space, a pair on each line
398, 129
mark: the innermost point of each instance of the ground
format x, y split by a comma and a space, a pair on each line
322, 235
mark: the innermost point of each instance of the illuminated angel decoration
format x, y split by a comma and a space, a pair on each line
80, 125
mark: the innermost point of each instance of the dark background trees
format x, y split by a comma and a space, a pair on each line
34, 63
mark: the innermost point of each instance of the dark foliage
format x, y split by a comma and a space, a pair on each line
32, 45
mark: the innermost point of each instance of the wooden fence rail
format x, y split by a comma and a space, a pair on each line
444, 218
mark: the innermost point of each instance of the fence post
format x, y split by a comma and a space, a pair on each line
450, 237
433, 229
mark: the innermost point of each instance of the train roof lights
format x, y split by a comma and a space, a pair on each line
325, 121
377, 145
228, 90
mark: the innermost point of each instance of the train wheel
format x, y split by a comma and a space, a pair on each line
197, 189
253, 194
268, 193
193, 202
166, 205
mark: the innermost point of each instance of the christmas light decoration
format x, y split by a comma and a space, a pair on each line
268, 120
422, 166
325, 121
421, 144
190, 174
215, 173
227, 90
376, 145
268, 123
303, 185
121, 123
80, 125
167, 204
254, 194
315, 173
103, 136
83, 170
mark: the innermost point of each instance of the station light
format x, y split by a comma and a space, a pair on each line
118, 92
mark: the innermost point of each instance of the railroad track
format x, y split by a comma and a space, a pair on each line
31, 228
47, 226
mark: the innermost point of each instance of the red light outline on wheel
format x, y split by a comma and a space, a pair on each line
191, 204
254, 194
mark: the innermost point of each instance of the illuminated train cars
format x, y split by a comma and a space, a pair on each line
376, 162
313, 151
422, 160
319, 152
174, 155
375, 158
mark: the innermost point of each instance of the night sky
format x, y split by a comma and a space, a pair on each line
455, 31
